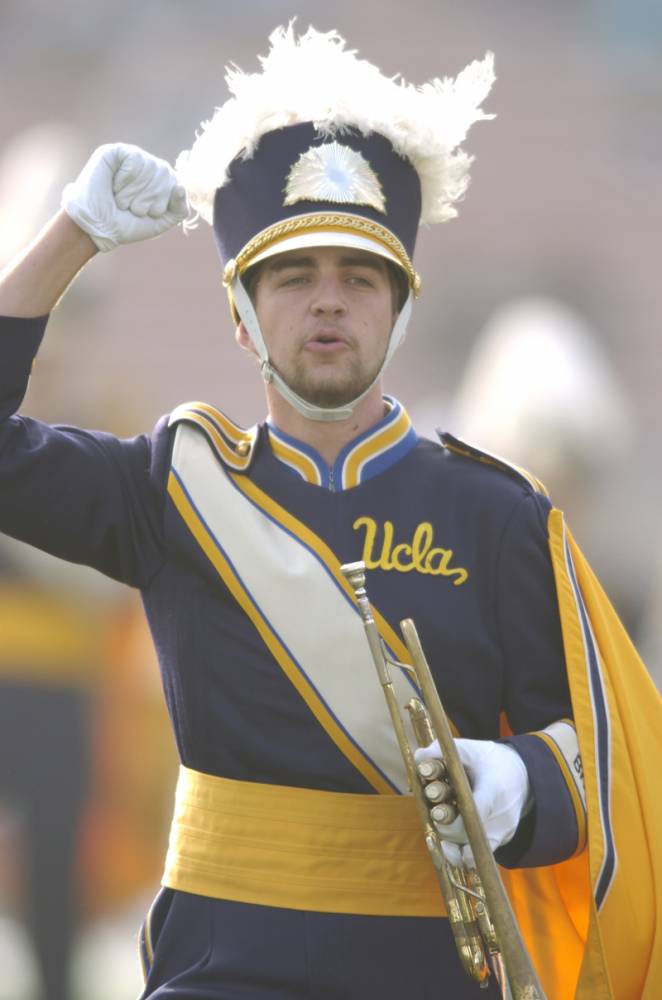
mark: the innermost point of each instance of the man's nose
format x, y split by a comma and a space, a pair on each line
328, 297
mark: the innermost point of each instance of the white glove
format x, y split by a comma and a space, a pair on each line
123, 195
502, 793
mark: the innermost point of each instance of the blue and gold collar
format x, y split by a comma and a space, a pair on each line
366, 456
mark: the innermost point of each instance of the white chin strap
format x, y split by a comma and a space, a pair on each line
246, 311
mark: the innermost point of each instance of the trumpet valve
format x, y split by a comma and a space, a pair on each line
443, 814
437, 791
428, 770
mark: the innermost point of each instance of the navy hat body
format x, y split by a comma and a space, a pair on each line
252, 201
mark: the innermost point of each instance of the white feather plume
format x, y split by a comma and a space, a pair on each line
315, 78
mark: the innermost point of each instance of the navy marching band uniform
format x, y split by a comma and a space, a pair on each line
455, 543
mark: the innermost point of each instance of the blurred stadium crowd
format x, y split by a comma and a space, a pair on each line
536, 336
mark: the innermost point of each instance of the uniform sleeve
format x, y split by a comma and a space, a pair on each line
84, 496
536, 698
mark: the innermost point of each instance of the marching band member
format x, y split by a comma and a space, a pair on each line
296, 866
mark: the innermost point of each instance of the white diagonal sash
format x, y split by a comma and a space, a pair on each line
300, 600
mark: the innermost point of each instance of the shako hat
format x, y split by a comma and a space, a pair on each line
305, 189
321, 149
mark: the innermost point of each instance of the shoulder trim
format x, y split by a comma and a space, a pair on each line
478, 455
234, 445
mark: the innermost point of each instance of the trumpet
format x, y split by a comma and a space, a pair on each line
481, 919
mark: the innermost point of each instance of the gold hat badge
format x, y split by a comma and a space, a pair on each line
336, 173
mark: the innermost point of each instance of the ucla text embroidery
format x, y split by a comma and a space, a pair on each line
421, 556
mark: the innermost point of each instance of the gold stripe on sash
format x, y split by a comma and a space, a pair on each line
299, 848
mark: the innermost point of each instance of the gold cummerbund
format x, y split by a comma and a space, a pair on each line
300, 848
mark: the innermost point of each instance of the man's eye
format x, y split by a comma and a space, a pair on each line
360, 279
294, 279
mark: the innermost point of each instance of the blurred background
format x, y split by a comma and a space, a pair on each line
536, 336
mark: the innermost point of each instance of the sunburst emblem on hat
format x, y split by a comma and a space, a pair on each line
333, 172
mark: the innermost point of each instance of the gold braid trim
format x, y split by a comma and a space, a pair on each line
323, 222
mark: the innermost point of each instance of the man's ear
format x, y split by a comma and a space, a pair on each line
242, 337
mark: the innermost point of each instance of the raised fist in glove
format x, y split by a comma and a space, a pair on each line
501, 790
123, 195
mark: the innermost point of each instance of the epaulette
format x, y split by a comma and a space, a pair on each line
470, 451
234, 445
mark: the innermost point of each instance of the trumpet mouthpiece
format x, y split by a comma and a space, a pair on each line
354, 573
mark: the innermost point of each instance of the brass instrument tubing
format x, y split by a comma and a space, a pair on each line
479, 910
522, 976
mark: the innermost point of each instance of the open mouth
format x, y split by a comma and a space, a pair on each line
326, 341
